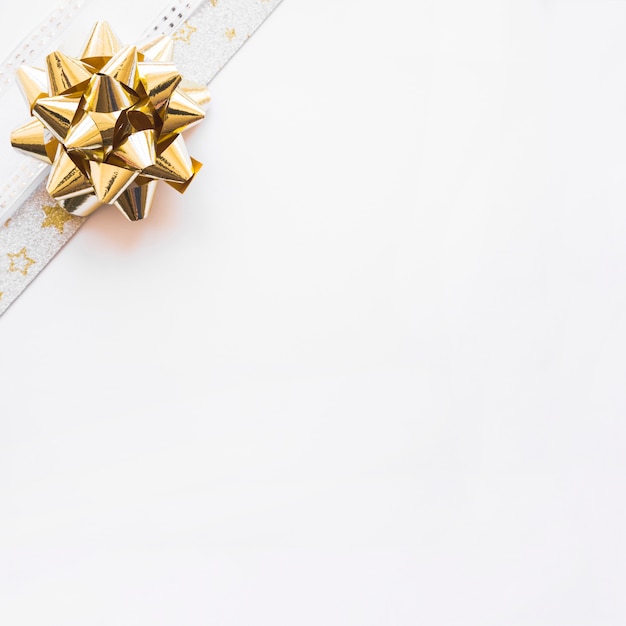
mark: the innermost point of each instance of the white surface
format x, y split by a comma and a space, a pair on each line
370, 370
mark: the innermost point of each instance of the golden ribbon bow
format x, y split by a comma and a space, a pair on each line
110, 123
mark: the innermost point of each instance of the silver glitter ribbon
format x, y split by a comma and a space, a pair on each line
207, 34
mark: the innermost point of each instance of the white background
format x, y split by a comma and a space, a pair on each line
370, 369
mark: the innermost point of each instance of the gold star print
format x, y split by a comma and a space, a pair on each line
213, 2
185, 32
6, 224
55, 216
20, 262
231, 33
1, 294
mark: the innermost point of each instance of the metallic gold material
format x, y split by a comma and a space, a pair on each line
159, 50
159, 81
101, 46
136, 201
173, 162
105, 95
65, 74
123, 67
109, 181
182, 112
110, 123
36, 140
93, 135
66, 179
33, 83
57, 113
196, 166
86, 136
107, 125
137, 151
82, 205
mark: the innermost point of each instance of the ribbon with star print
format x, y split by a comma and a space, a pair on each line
206, 34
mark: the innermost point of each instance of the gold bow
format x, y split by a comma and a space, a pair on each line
110, 123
